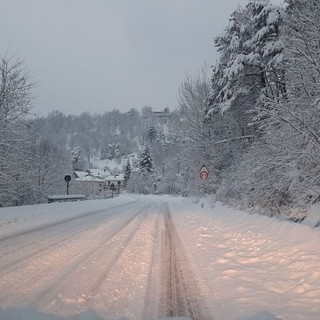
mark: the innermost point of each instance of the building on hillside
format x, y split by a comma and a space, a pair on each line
161, 114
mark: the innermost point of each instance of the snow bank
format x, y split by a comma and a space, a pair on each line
251, 264
313, 216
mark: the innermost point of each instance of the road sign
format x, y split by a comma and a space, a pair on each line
112, 188
67, 179
204, 174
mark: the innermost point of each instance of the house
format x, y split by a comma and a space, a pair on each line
90, 184
117, 180
161, 114
98, 181
99, 173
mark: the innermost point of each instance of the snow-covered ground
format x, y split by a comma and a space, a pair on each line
109, 259
252, 263
14, 219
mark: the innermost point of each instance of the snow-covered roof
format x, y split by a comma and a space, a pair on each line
91, 174
80, 174
89, 177
118, 177
99, 173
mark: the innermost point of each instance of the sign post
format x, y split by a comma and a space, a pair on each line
204, 174
112, 188
67, 179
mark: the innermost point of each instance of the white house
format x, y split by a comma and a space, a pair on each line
90, 183
98, 181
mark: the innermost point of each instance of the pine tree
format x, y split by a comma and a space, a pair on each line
127, 173
146, 161
250, 65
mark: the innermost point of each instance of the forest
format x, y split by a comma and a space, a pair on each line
252, 118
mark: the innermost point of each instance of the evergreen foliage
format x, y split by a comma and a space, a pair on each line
146, 162
127, 173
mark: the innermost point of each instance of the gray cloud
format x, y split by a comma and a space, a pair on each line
96, 55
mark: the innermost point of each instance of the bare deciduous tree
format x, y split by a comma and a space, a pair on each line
15, 101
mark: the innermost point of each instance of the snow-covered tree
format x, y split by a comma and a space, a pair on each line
250, 66
127, 172
146, 162
77, 159
117, 151
15, 103
298, 114
281, 169
50, 163
195, 134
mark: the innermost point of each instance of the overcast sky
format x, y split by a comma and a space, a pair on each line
100, 55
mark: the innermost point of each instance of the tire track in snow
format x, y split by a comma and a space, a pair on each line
123, 293
180, 295
50, 292
87, 219
99, 281
150, 310
16, 263
76, 260
59, 222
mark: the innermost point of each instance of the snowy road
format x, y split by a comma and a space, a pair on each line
110, 261
148, 257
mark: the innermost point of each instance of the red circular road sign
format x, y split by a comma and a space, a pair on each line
204, 174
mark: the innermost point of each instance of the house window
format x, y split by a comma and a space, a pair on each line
119, 182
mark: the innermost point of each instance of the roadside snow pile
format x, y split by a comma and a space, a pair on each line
313, 216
